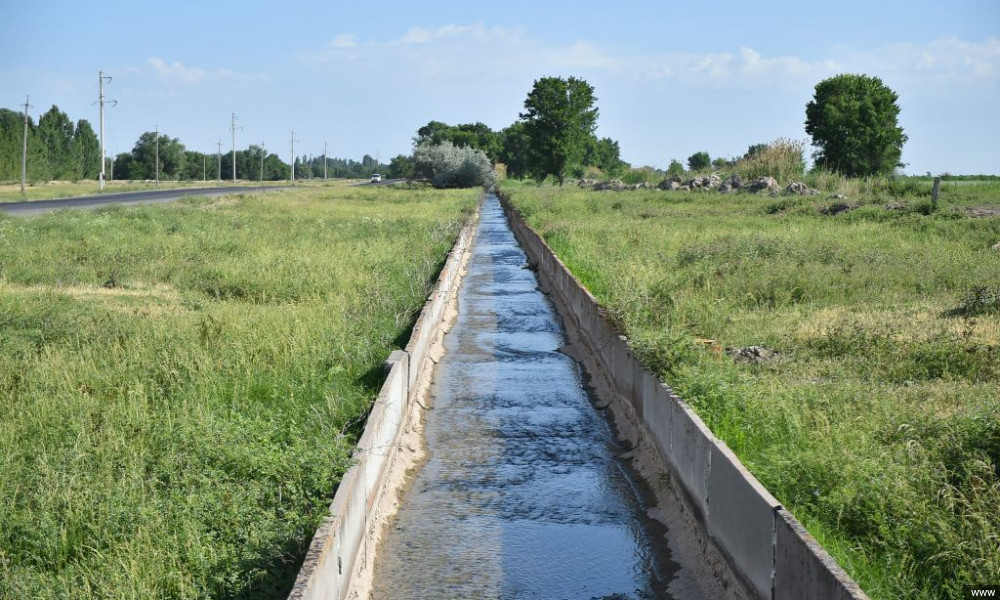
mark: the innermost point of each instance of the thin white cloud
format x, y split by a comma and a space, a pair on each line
344, 40
176, 72
479, 54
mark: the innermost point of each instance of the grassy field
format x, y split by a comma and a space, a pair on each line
875, 412
182, 385
11, 192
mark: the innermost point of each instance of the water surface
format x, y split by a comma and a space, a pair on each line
523, 494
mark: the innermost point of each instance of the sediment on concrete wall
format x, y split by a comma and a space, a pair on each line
343, 548
771, 553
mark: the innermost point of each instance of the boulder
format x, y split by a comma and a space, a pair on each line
668, 184
615, 185
763, 184
799, 188
753, 354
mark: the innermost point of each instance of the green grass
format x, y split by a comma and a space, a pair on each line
879, 423
182, 385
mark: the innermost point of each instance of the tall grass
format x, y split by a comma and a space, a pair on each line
182, 384
879, 423
782, 159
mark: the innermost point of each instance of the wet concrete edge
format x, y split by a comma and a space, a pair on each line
737, 519
340, 556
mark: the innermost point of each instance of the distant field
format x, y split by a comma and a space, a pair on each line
183, 384
874, 410
66, 189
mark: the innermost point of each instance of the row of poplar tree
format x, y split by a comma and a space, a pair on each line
59, 150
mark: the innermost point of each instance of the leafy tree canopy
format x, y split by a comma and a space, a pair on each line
676, 168
699, 161
853, 121
559, 120
469, 135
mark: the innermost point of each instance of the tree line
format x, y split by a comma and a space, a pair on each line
57, 148
553, 137
852, 120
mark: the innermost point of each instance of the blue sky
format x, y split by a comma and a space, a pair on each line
671, 78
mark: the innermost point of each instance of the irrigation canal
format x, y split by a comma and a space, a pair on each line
524, 493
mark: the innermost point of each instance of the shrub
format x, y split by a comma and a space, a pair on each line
699, 161
643, 175
448, 166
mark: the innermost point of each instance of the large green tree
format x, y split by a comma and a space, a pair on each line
516, 147
171, 155
86, 151
55, 131
853, 121
605, 154
559, 120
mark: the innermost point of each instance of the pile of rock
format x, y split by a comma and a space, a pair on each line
800, 189
733, 183
671, 184
753, 354
613, 185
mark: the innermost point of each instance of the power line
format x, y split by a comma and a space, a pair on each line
100, 79
233, 127
293, 140
156, 134
24, 151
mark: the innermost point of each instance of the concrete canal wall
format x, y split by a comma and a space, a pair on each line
338, 564
765, 546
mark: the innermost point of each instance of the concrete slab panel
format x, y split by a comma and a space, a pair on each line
741, 516
622, 367
803, 570
691, 456
656, 412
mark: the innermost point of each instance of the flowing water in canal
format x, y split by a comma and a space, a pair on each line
522, 494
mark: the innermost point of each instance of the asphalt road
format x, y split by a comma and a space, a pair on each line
383, 182
125, 198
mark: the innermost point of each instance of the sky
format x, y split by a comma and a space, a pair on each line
671, 78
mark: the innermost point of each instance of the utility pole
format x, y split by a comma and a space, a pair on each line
24, 151
263, 153
219, 156
324, 162
100, 78
157, 134
204, 168
293, 154
233, 127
